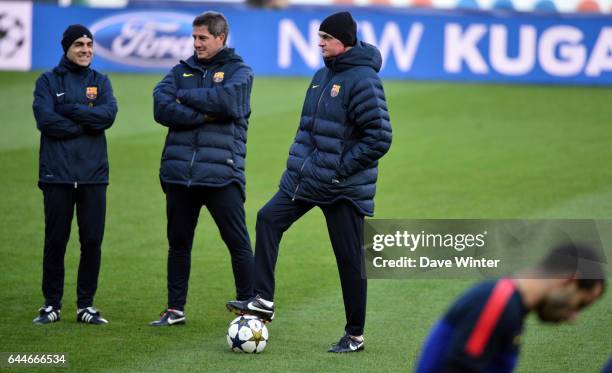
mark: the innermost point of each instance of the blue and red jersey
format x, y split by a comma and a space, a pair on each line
480, 333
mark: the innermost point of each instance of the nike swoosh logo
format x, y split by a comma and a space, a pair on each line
187, 75
60, 94
253, 308
314, 86
174, 321
354, 347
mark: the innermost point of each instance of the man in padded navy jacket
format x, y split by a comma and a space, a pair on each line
333, 163
205, 103
73, 106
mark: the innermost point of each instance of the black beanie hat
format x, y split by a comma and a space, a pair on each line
342, 26
72, 33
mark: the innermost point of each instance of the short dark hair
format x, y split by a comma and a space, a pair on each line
564, 261
215, 22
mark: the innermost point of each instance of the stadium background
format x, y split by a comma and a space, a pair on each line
467, 144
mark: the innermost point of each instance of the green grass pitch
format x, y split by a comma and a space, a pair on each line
459, 151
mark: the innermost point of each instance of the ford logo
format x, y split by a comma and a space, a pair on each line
145, 39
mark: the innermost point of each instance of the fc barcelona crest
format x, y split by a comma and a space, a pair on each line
335, 90
218, 77
91, 93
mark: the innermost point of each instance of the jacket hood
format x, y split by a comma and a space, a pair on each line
362, 54
224, 56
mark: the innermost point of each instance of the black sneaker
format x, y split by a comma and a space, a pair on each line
90, 315
252, 306
170, 317
47, 315
347, 344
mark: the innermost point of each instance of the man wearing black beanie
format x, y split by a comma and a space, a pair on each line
73, 106
333, 164
341, 26
74, 32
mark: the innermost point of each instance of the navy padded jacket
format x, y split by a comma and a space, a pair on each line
344, 130
206, 107
73, 106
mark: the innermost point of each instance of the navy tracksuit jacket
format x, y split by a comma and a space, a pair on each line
73, 106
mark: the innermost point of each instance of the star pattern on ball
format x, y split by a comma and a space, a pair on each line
243, 322
257, 336
236, 342
247, 334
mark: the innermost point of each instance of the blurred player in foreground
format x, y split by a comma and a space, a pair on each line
481, 332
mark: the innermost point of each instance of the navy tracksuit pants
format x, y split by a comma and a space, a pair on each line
345, 227
59, 203
226, 206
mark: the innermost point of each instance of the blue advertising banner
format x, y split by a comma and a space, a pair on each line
460, 46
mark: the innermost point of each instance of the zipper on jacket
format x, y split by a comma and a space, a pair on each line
191, 165
195, 137
314, 123
192, 159
321, 96
299, 178
300, 175
313, 143
295, 192
312, 136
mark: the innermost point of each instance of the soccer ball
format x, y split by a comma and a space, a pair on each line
247, 334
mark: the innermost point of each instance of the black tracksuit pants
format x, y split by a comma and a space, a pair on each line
345, 227
59, 203
226, 206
